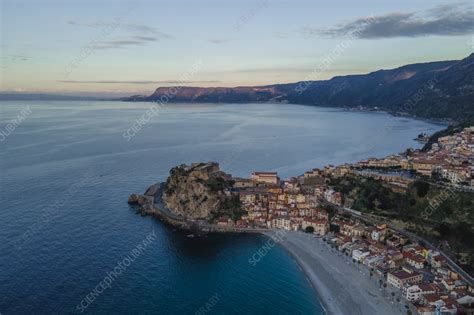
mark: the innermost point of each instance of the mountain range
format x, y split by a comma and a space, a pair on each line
437, 90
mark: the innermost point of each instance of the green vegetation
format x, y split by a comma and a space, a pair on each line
176, 172
422, 188
440, 214
217, 184
229, 206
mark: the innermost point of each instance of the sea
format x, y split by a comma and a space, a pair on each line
70, 243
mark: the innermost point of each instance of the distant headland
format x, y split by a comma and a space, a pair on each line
439, 90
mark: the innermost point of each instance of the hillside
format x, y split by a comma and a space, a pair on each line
441, 90
452, 222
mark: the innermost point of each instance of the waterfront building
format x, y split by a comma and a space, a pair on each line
399, 278
321, 226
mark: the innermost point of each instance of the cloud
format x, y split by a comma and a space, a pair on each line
218, 41
14, 58
138, 34
124, 42
280, 34
8, 61
449, 20
136, 82
135, 28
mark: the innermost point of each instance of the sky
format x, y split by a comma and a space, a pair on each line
106, 47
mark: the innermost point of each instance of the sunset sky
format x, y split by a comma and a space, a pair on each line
122, 48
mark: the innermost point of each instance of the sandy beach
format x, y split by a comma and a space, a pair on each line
342, 288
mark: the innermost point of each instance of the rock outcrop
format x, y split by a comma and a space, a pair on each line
140, 200
201, 191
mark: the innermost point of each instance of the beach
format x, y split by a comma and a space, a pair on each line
341, 287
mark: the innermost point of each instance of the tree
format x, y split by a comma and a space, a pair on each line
422, 188
309, 229
334, 228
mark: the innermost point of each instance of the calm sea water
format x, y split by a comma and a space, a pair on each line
66, 172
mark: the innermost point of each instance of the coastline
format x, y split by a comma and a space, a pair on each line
325, 272
436, 121
339, 287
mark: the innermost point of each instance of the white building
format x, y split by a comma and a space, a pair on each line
281, 223
359, 255
413, 293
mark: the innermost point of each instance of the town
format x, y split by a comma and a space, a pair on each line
418, 271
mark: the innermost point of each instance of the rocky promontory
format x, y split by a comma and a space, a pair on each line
201, 191
197, 192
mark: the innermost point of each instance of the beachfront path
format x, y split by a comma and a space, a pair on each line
341, 287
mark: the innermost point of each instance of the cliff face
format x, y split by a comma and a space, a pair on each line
200, 191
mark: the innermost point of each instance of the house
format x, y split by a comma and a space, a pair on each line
415, 292
281, 222
333, 196
425, 310
374, 260
415, 260
266, 177
357, 230
377, 248
438, 261
396, 240
446, 306
399, 278
359, 255
412, 292
393, 241
321, 226
377, 234
423, 166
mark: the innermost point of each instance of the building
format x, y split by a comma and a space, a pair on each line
399, 278
412, 292
281, 222
243, 183
415, 292
359, 255
204, 170
266, 177
321, 226
333, 196
415, 260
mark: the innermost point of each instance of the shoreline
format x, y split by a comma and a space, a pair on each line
317, 292
435, 121
339, 287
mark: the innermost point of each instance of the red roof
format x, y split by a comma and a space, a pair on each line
402, 274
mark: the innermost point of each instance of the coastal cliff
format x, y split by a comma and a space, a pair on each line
201, 191
441, 90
